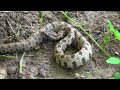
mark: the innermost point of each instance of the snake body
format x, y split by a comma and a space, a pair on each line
66, 34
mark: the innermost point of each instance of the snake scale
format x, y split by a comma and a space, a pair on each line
66, 35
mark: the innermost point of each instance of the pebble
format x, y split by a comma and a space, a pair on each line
42, 73
12, 69
3, 73
76, 76
116, 53
34, 70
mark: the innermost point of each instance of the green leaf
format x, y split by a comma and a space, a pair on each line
21, 62
113, 60
117, 75
115, 31
117, 34
110, 26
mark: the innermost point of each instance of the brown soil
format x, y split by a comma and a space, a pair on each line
39, 63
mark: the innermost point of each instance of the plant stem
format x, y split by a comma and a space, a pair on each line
87, 34
7, 57
41, 17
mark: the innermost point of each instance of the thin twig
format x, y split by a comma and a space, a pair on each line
12, 28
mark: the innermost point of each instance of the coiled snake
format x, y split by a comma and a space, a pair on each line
66, 35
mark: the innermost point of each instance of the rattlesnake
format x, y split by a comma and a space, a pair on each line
66, 34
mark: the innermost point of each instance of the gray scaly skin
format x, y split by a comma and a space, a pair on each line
63, 32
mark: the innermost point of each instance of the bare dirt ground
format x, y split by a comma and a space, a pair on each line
39, 63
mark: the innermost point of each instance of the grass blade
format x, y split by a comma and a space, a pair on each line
7, 57
21, 63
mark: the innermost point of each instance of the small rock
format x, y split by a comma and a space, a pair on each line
42, 73
47, 62
11, 69
3, 73
77, 76
34, 70
116, 53
82, 77
108, 73
37, 47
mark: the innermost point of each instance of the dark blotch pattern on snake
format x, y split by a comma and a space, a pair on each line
63, 32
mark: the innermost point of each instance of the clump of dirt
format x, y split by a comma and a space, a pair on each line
16, 26
39, 63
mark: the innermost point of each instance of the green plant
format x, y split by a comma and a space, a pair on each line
67, 13
117, 75
21, 63
113, 30
7, 57
107, 38
41, 17
114, 60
